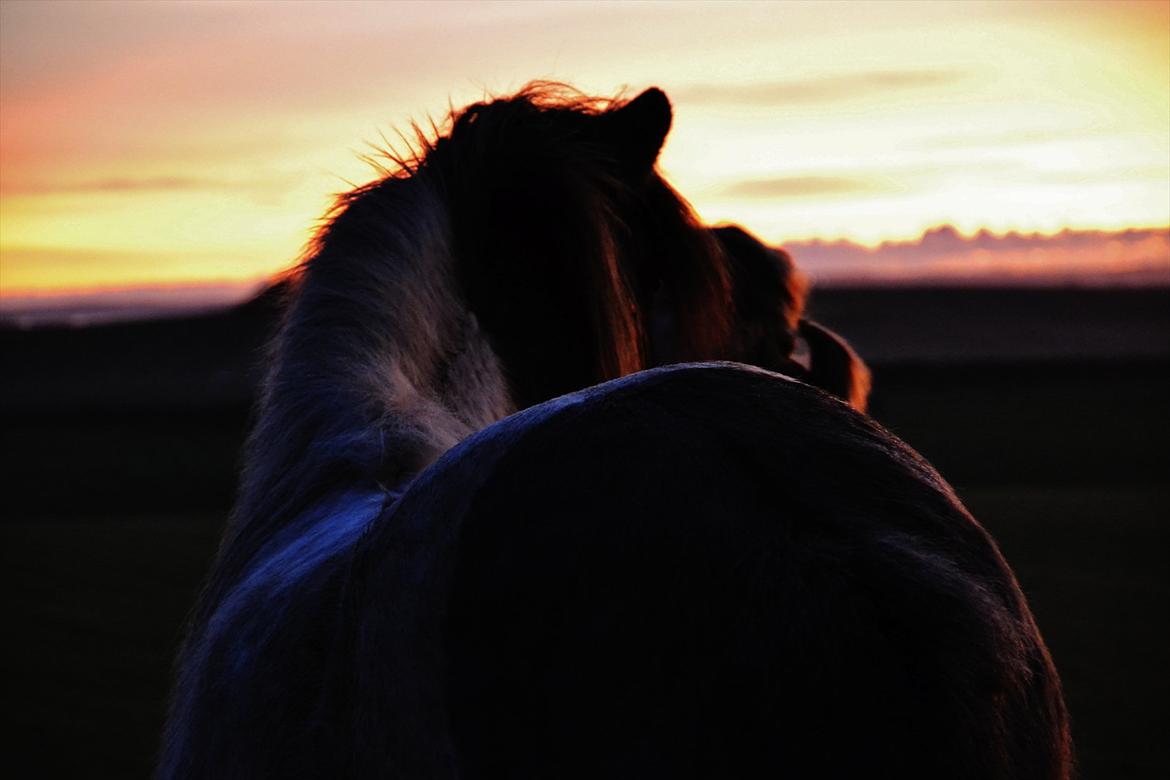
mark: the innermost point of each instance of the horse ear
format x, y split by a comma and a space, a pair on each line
834, 366
638, 128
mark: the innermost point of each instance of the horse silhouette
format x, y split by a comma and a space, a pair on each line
532, 251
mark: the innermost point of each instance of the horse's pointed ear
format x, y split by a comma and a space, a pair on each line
638, 128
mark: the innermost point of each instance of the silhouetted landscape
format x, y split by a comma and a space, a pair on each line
1045, 408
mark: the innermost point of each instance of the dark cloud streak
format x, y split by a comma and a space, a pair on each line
123, 185
780, 187
115, 185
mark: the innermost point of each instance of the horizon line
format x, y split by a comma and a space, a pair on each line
231, 286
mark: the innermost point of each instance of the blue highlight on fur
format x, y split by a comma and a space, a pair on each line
223, 655
324, 531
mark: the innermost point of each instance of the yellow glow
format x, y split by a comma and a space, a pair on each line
169, 143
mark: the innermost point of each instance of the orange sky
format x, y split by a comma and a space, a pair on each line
177, 142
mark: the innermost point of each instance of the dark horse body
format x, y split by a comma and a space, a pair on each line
523, 256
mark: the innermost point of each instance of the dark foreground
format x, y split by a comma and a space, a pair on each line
1048, 414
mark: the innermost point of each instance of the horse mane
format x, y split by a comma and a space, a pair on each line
501, 262
510, 257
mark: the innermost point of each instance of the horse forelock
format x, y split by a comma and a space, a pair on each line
541, 203
691, 272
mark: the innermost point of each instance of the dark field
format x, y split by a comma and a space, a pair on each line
1046, 410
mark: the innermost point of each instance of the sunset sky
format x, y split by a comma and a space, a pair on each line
170, 143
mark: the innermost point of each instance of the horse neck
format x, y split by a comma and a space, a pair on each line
379, 366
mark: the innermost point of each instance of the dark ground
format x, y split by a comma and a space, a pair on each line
1046, 409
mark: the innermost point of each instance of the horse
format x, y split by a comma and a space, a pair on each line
529, 252
507, 261
620, 582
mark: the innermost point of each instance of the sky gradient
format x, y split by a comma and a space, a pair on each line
170, 143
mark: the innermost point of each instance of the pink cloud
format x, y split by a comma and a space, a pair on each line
942, 254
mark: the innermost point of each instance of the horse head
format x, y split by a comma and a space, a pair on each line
769, 329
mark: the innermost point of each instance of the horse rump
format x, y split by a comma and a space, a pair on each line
697, 571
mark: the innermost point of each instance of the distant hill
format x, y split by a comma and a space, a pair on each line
976, 324
212, 358
202, 359
103, 307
